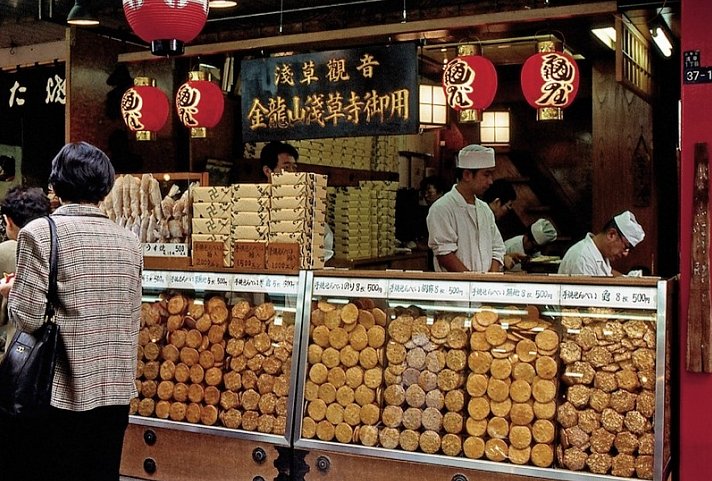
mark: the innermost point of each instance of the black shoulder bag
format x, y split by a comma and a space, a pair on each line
27, 370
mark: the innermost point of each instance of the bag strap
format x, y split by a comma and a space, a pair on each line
52, 299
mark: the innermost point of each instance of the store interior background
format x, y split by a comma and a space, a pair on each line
579, 169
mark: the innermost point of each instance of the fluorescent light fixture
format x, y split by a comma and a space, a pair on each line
433, 107
607, 35
662, 40
222, 3
79, 15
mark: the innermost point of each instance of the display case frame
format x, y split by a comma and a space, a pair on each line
653, 293
292, 284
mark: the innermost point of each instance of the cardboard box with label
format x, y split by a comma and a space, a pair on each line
211, 226
211, 194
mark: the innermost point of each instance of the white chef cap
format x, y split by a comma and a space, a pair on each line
475, 156
543, 232
629, 227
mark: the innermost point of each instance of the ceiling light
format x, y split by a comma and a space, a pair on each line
607, 35
222, 3
80, 15
661, 39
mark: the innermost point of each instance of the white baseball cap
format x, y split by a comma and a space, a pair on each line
629, 227
475, 156
543, 232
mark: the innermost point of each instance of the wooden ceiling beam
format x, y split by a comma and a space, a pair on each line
41, 53
383, 32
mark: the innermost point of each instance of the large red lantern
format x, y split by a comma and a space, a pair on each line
470, 83
550, 81
200, 104
144, 108
166, 24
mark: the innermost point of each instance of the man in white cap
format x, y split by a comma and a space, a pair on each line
592, 256
462, 231
538, 234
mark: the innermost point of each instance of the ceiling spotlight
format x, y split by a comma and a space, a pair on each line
80, 15
222, 3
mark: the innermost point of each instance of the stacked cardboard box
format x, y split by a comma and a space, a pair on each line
385, 154
298, 214
352, 222
211, 217
250, 213
382, 216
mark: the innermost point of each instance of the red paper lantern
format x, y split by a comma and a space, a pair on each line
550, 82
200, 104
166, 24
470, 83
144, 108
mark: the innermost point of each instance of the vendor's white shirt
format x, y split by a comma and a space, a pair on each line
584, 259
515, 245
468, 230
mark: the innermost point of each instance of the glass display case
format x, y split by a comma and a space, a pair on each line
544, 376
217, 358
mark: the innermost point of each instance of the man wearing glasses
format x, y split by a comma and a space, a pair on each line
592, 255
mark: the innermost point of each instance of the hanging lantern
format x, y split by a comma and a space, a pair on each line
144, 108
200, 104
550, 81
470, 83
166, 24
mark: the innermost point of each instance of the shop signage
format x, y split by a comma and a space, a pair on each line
609, 296
283, 256
429, 290
346, 287
514, 293
339, 93
33, 88
694, 72
165, 250
249, 255
208, 254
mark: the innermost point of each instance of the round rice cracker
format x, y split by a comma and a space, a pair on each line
474, 447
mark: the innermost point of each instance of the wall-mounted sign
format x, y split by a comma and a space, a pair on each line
694, 72
33, 88
340, 93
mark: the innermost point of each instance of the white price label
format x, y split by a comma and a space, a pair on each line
165, 250
627, 297
181, 280
514, 293
212, 281
154, 280
271, 284
350, 287
429, 290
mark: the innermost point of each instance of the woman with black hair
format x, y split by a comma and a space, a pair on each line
99, 292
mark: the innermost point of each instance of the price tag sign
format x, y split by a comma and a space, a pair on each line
430, 290
250, 255
272, 284
181, 280
283, 256
165, 250
208, 254
514, 293
350, 287
627, 297
154, 280
212, 281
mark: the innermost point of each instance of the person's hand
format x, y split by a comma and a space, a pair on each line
510, 260
6, 285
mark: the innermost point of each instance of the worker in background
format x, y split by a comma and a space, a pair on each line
592, 255
528, 245
500, 197
461, 227
278, 157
